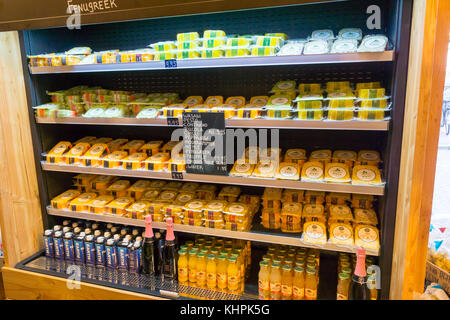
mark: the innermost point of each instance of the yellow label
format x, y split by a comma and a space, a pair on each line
183, 275
221, 280
233, 282
192, 275
211, 280
341, 297
201, 277
263, 285
298, 293
275, 288
310, 294
286, 291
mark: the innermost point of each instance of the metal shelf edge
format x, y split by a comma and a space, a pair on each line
287, 184
250, 236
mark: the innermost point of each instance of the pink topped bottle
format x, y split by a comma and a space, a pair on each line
148, 248
358, 288
169, 263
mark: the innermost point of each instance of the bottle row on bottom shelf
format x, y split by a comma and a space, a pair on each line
198, 267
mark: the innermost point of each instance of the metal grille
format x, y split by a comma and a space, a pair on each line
297, 21
129, 281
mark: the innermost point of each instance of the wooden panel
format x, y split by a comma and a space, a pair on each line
430, 35
20, 212
25, 285
2, 289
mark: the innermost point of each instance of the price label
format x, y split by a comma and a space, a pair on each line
173, 122
171, 63
177, 175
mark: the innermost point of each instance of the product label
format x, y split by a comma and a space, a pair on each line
320, 155
280, 101
111, 257
286, 291
195, 205
123, 258
192, 275
60, 148
314, 231
295, 154
291, 208
366, 174
79, 251
298, 293
314, 172
211, 280
310, 294
337, 172
68, 249
242, 167
215, 205
344, 155
236, 208
49, 247
167, 195
367, 234
122, 201
266, 166
341, 297
263, 285
288, 171
285, 85
275, 289
313, 210
100, 254
183, 275
370, 156
342, 233
201, 277
90, 252
233, 282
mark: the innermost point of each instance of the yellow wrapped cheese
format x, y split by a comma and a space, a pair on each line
151, 147
214, 100
172, 210
291, 195
138, 188
119, 206
366, 216
292, 208
229, 110
312, 171
340, 213
192, 222
88, 139
115, 145
138, 210
323, 156
367, 237
369, 175
80, 203
103, 140
368, 157
314, 212
157, 162
206, 192
242, 169
371, 93
61, 201
172, 185
214, 224
55, 155
150, 194
158, 184
259, 100
250, 111
214, 209
155, 208
337, 198
114, 159
237, 101
92, 158
101, 183
288, 171
229, 193
337, 173
295, 156
368, 85
265, 169
84, 179
174, 110
317, 197
97, 205
118, 188
362, 201
236, 213
193, 100
184, 197
194, 209
73, 156
314, 233
371, 114
345, 156
167, 196
341, 234
134, 161
132, 146
338, 85
310, 88
272, 194
340, 115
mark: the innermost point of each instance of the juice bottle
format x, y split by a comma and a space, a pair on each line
344, 265
343, 286
347, 270
221, 271
264, 281
183, 274
233, 278
373, 289
224, 253
289, 262
310, 284
211, 270
201, 270
241, 268
275, 281
298, 287
192, 266
286, 282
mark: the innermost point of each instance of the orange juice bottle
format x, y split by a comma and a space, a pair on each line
233, 277
310, 284
298, 287
211, 271
201, 270
183, 274
221, 271
275, 281
192, 266
264, 281
241, 268
286, 282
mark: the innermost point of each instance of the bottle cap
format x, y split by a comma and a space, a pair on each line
299, 269
275, 265
287, 267
360, 269
264, 263
148, 227
211, 256
344, 276
170, 236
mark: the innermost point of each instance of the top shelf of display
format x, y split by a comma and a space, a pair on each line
216, 50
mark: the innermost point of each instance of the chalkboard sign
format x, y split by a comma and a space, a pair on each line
204, 143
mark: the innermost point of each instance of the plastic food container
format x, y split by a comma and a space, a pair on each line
368, 85
291, 195
138, 210
214, 100
151, 147
323, 155
340, 114
170, 145
229, 193
103, 140
167, 196
165, 55
309, 114
98, 204
102, 182
212, 52
269, 41
133, 146
73, 156
259, 100
336, 172
192, 222
371, 93
237, 226
295, 156
371, 114
118, 188
341, 234
350, 33
344, 156
134, 161
367, 236
314, 233
237, 51
237, 212
213, 209
194, 209
188, 54
193, 100
249, 111
317, 197
310, 101
206, 192
344, 46
278, 114
119, 206
189, 187
214, 34
147, 112
80, 203
336, 86
381, 103
366, 216
56, 154
373, 43
164, 46
84, 179
157, 162
187, 36
150, 194
61, 201
155, 208
138, 188
368, 175
229, 110
242, 169
260, 51
312, 171
314, 212
288, 171
293, 48
340, 213
93, 157
172, 185
265, 169
362, 201
188, 45
176, 165
337, 198
368, 157
214, 224
184, 197
271, 204
172, 210
345, 102
316, 47
272, 194
291, 215
325, 34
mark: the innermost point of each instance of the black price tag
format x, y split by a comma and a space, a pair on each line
173, 122
177, 175
171, 63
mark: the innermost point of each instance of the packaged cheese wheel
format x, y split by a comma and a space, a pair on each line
366, 216
102, 182
229, 110
373, 43
362, 201
238, 42
238, 101
187, 36
176, 165
259, 51
341, 234
192, 222
186, 45
214, 100
172, 210
271, 204
340, 213
323, 156
80, 203
312, 171
133, 146
138, 210
259, 100
114, 159
314, 212
336, 172
288, 171
214, 209
155, 208
314, 114
237, 226
350, 33
324, 34
291, 195
306, 88
237, 51
157, 162
338, 198
214, 224
367, 236
295, 156
372, 93
369, 175
265, 169
236, 212
292, 208
315, 233
184, 197
167, 196
242, 169
151, 147
317, 197
169, 146
345, 156
88, 139
292, 48
371, 114
316, 47
193, 100
103, 140
172, 185
250, 111
189, 187
115, 145
138, 188
118, 188
150, 194
55, 155
92, 158
174, 110
206, 191
272, 194
119, 205
194, 209
73, 156
340, 115
227, 191
278, 114
344, 46
368, 157
61, 201
98, 204
368, 85
279, 101
134, 161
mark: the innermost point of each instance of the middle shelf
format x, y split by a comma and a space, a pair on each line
252, 235
287, 184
